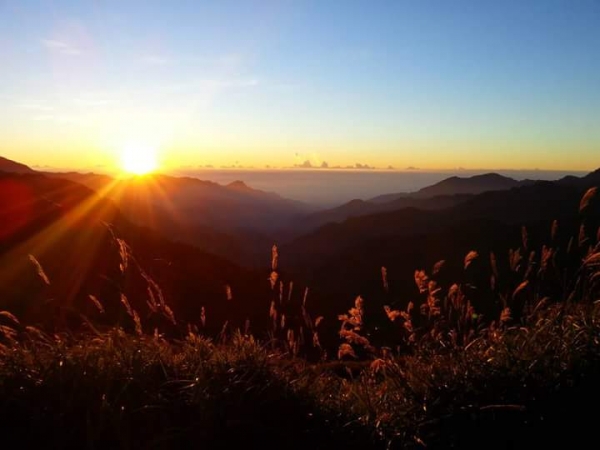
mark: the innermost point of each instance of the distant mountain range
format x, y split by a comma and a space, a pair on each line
73, 223
227, 207
239, 223
345, 258
459, 185
61, 243
445, 194
233, 221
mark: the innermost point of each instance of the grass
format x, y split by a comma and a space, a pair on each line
508, 357
122, 391
117, 390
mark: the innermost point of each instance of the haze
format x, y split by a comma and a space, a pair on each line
332, 187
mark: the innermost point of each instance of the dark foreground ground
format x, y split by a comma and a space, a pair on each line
516, 387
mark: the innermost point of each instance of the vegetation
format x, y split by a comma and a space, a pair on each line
521, 385
508, 357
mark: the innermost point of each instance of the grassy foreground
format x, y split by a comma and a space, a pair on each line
506, 357
511, 388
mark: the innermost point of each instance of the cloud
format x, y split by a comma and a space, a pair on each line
57, 118
91, 100
156, 60
91, 103
227, 60
34, 106
308, 165
211, 85
234, 166
230, 83
60, 47
305, 165
280, 86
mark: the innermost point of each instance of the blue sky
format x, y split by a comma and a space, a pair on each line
433, 84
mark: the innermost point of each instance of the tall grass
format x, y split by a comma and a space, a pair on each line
511, 388
508, 356
117, 390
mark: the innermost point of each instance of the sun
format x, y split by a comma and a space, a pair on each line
139, 160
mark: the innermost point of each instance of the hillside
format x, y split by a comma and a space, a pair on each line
85, 246
445, 194
476, 347
202, 202
340, 258
88, 300
474, 185
7, 165
357, 208
534, 202
233, 221
471, 185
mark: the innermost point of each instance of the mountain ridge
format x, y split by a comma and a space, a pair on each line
356, 248
84, 247
8, 165
446, 193
453, 185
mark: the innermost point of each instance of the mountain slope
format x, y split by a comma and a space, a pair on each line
7, 165
471, 185
344, 259
445, 194
233, 221
84, 246
474, 185
202, 202
357, 208
541, 201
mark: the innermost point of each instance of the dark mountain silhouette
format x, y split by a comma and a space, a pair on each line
207, 203
356, 208
472, 185
447, 193
591, 179
540, 201
240, 186
339, 258
459, 185
92, 180
85, 246
232, 221
6, 165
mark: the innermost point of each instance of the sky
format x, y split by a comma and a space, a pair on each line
427, 84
